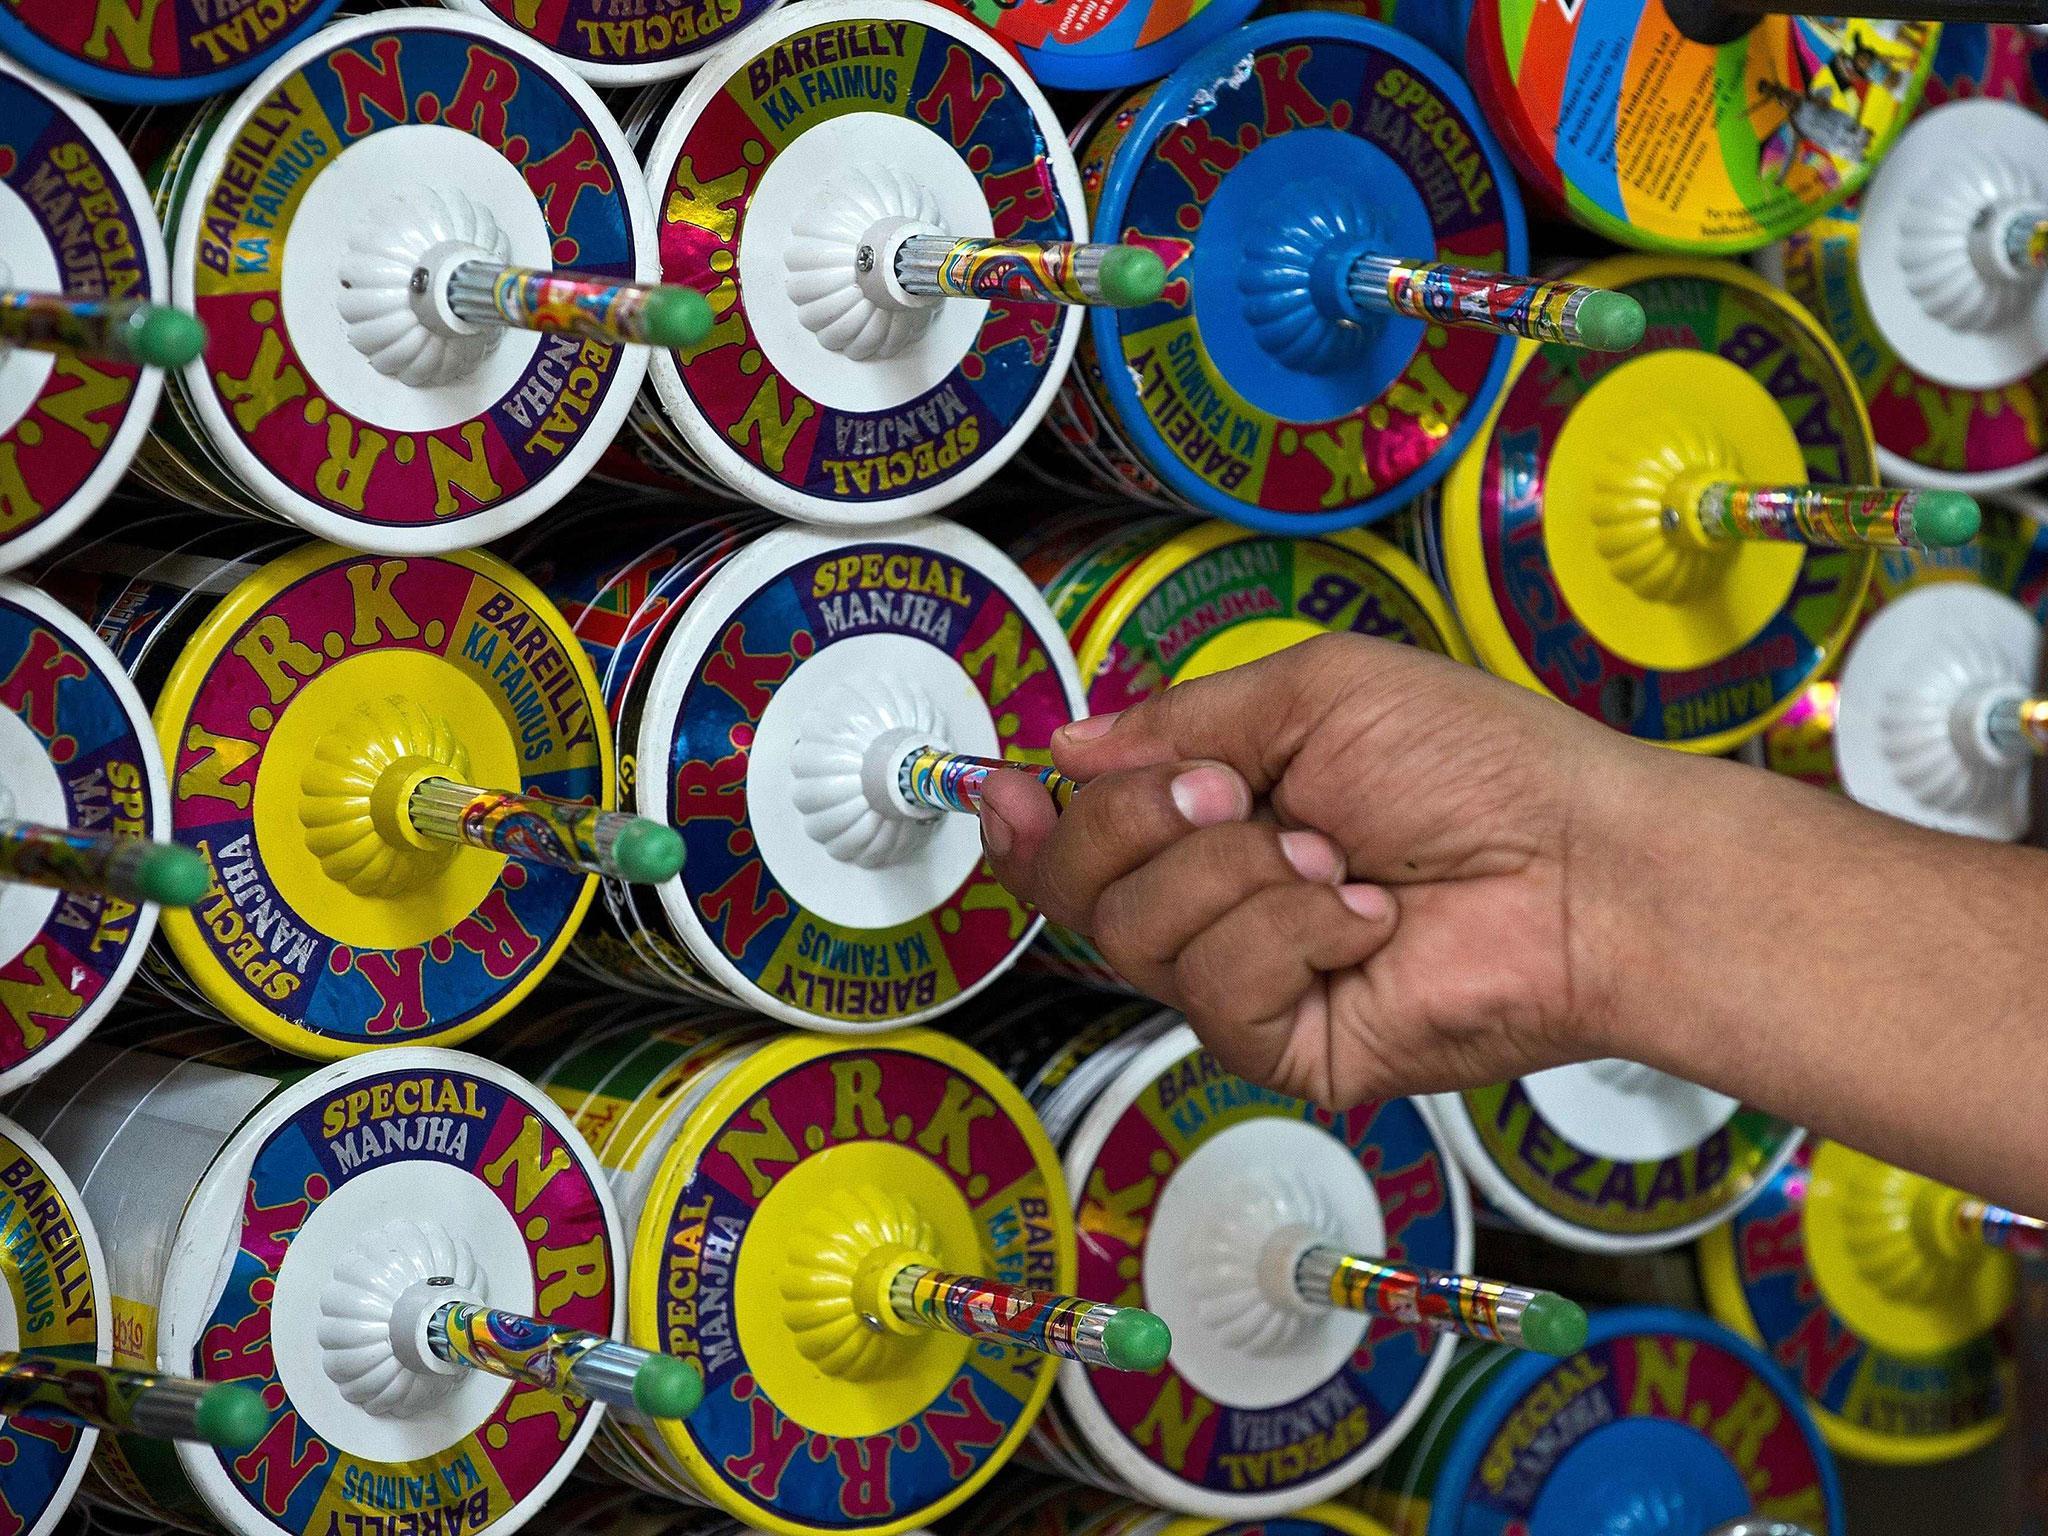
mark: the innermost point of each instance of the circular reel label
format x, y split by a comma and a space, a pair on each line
342, 630
153, 49
807, 962
1191, 1437
839, 451
297, 1481
264, 397
1208, 394
1603, 1195
1735, 694
814, 1127
96, 759
645, 36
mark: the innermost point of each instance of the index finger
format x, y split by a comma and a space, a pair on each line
1253, 717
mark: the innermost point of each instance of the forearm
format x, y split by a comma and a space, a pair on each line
1869, 979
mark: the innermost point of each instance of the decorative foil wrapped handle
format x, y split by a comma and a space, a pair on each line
130, 332
644, 314
131, 868
1832, 516
1092, 1332
1465, 1305
1568, 313
138, 1402
1045, 271
542, 829
571, 1361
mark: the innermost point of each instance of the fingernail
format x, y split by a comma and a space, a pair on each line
1087, 730
1313, 857
996, 835
1209, 795
1370, 902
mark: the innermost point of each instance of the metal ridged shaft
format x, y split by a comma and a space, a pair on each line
2019, 726
542, 829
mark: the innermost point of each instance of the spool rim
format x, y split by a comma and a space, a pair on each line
775, 1060
222, 436
671, 65
107, 675
181, 693
60, 522
154, 87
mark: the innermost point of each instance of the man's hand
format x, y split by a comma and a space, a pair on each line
1352, 865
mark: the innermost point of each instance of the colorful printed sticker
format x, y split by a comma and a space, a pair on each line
804, 960
839, 453
74, 199
1601, 1195
792, 1137
55, 1301
1661, 142
1732, 1439
61, 974
627, 43
1163, 1417
297, 1481
2003, 63
1889, 1395
153, 50
1750, 329
260, 393
1266, 408
460, 634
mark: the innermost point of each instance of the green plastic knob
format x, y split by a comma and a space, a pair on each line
646, 852
164, 337
171, 875
1553, 1325
1136, 1340
1945, 519
1131, 275
677, 317
232, 1417
1610, 322
667, 1388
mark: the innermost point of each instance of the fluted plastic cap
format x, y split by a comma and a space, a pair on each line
667, 1388
1610, 322
171, 875
1136, 1340
1553, 1325
1945, 519
1132, 275
677, 317
647, 852
168, 338
232, 1417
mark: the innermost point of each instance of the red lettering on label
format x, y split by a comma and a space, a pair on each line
1408, 1194
267, 1229
564, 176
278, 1465
712, 789
30, 690
972, 1428
738, 902
771, 1447
864, 1475
1019, 197
1288, 101
494, 934
397, 982
489, 83
379, 84
1199, 156
749, 679
1772, 1245
1816, 1350
958, 98
1033, 324
238, 1351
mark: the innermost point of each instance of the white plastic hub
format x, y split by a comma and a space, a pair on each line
31, 265
33, 793
1219, 1259
826, 194
1627, 1112
372, 355
336, 1321
1949, 306
851, 853
1909, 718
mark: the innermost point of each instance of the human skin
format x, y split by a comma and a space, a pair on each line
1361, 870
